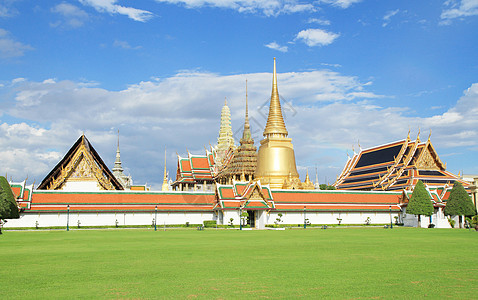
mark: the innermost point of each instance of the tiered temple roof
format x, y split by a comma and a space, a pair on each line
23, 193
196, 169
247, 195
397, 165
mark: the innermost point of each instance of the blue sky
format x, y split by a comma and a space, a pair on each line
350, 72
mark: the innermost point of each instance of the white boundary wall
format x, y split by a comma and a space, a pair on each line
263, 218
108, 219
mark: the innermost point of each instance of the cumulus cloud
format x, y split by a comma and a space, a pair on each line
9, 47
7, 10
316, 37
277, 47
458, 9
72, 16
340, 3
111, 7
319, 21
325, 111
152, 114
267, 7
388, 17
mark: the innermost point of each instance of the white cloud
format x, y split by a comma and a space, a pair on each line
340, 3
7, 10
458, 9
125, 45
72, 15
388, 17
111, 7
151, 114
326, 112
267, 7
316, 37
277, 47
10, 48
319, 21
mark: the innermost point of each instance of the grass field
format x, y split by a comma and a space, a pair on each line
332, 263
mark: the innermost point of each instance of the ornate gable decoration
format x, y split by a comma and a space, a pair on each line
256, 194
429, 160
81, 163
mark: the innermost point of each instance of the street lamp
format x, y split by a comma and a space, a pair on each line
68, 218
155, 216
391, 224
240, 218
305, 222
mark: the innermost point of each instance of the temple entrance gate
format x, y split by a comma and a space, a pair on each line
251, 218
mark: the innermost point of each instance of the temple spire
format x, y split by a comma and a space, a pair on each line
126, 181
225, 139
246, 135
275, 122
117, 168
165, 186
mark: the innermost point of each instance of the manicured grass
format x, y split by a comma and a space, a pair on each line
332, 263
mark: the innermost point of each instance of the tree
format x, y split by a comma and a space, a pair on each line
324, 186
8, 205
459, 203
420, 203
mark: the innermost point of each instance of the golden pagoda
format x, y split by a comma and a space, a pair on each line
244, 161
276, 159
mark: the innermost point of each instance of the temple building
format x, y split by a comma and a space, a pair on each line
196, 172
237, 185
396, 166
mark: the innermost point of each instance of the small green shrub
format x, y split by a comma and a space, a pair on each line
209, 224
452, 222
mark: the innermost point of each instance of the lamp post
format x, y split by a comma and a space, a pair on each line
305, 220
240, 218
155, 216
68, 218
391, 224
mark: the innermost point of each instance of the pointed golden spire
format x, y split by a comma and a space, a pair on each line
246, 134
307, 179
275, 122
165, 186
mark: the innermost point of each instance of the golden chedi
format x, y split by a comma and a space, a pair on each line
276, 159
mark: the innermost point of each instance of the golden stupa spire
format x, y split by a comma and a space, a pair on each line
275, 122
246, 135
165, 186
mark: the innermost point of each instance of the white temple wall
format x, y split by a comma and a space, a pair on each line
109, 219
263, 218
331, 217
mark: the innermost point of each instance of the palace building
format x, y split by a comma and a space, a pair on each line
230, 183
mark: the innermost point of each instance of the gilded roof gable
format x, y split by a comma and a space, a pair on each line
81, 163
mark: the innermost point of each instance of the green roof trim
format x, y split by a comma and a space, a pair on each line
335, 192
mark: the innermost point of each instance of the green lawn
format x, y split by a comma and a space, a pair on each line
332, 263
